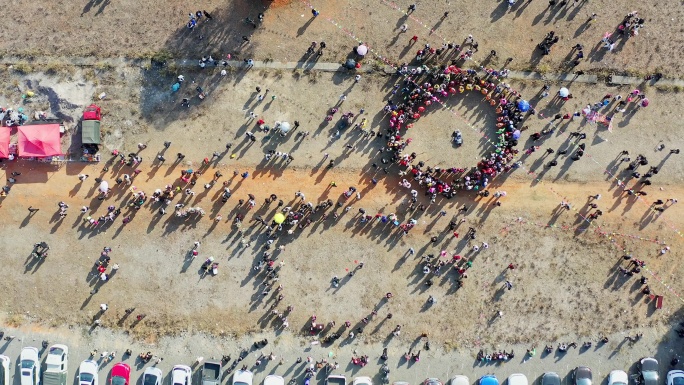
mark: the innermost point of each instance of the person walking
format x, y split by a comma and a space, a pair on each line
32, 210
411, 9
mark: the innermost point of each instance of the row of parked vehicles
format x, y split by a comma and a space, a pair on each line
55, 372
581, 375
57, 362
56, 368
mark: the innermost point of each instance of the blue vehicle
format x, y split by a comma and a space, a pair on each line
489, 379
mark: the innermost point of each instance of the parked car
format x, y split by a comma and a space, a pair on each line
618, 377
4, 370
211, 373
432, 381
272, 379
489, 379
152, 376
87, 373
517, 379
181, 375
550, 378
459, 380
30, 366
335, 379
675, 377
120, 375
582, 375
56, 365
649, 371
362, 380
243, 377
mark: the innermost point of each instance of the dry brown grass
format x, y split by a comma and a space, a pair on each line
22, 67
15, 320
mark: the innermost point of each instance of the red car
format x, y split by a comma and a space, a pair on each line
92, 112
121, 374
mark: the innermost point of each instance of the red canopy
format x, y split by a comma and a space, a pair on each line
4, 142
39, 140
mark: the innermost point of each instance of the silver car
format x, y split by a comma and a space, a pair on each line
582, 375
550, 378
649, 371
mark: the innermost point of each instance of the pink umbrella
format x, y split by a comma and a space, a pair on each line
644, 103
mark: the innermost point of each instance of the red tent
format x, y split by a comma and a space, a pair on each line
4, 142
39, 140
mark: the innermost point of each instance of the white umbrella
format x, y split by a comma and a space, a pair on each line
104, 186
285, 127
563, 92
362, 49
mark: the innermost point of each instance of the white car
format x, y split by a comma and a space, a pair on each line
152, 376
181, 375
57, 360
4, 370
618, 377
30, 366
87, 373
675, 377
363, 380
274, 380
517, 379
459, 380
243, 377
